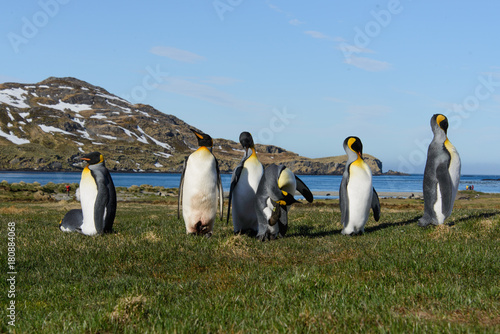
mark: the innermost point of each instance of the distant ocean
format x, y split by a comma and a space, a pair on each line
317, 183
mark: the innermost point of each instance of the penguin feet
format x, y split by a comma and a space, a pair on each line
203, 229
423, 222
250, 232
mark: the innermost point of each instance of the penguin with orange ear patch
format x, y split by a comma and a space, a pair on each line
441, 175
97, 197
356, 194
200, 188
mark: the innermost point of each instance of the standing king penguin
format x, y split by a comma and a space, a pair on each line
441, 175
356, 194
97, 197
274, 194
244, 183
200, 183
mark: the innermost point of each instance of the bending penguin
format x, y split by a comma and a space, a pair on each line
200, 183
244, 183
274, 195
441, 175
356, 194
97, 197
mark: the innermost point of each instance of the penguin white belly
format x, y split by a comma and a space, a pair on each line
360, 192
88, 195
454, 170
438, 206
244, 215
199, 197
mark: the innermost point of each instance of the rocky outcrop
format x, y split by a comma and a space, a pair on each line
47, 125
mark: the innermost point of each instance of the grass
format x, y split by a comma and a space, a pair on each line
150, 277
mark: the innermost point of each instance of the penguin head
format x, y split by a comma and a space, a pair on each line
439, 121
93, 158
353, 144
203, 139
246, 140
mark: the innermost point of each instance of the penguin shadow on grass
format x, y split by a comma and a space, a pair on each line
307, 231
473, 216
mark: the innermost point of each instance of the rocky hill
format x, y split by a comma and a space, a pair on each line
47, 125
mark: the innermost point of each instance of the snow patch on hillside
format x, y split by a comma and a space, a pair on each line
62, 106
14, 97
13, 138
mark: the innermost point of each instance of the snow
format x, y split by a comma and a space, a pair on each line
110, 122
98, 116
81, 150
143, 112
234, 149
157, 142
112, 97
14, 97
10, 115
48, 129
78, 143
13, 138
24, 114
84, 134
129, 133
97, 143
64, 105
79, 121
163, 155
158, 165
108, 137
22, 123
43, 86
9, 125
126, 110
65, 87
84, 88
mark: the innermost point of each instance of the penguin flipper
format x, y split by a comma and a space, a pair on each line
375, 205
179, 194
304, 190
344, 201
111, 205
101, 201
72, 221
234, 181
221, 191
445, 187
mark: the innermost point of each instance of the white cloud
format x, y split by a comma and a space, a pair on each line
368, 64
295, 22
176, 54
316, 34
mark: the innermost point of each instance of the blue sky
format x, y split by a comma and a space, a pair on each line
302, 75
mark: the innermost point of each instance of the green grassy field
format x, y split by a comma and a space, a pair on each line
150, 277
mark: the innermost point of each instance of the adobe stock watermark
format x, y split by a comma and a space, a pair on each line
364, 36
456, 115
31, 26
280, 119
223, 6
151, 81
11, 273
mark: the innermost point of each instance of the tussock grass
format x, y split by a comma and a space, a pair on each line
150, 277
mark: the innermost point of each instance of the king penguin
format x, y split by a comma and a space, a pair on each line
441, 175
244, 182
274, 195
200, 183
97, 197
356, 194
